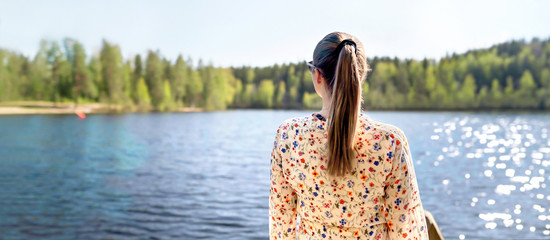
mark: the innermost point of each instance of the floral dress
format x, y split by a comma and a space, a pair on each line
378, 199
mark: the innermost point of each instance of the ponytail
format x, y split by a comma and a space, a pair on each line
345, 109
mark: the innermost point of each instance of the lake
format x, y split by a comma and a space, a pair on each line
205, 175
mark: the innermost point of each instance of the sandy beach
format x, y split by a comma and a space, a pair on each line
36, 107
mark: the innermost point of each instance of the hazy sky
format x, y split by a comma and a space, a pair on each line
260, 33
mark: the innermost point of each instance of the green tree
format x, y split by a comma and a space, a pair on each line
167, 101
466, 94
83, 85
143, 98
544, 92
420, 93
527, 91
238, 100
40, 75
127, 75
495, 95
95, 76
440, 97
217, 94
153, 78
265, 93
250, 75
195, 87
180, 78
249, 95
137, 74
509, 94
59, 70
430, 79
279, 94
483, 98
293, 85
112, 75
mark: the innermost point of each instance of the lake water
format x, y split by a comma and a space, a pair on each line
206, 175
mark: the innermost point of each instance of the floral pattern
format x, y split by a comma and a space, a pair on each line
378, 199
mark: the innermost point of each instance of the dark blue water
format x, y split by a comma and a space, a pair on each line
206, 175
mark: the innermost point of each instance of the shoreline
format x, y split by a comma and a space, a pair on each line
44, 107
41, 107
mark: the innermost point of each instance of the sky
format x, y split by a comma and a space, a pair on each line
262, 33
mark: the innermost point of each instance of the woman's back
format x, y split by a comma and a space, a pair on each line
378, 199
347, 176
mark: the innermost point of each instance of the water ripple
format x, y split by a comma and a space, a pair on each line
186, 176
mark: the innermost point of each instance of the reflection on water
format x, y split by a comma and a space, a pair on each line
206, 175
489, 166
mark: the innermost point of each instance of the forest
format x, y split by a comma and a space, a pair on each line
509, 75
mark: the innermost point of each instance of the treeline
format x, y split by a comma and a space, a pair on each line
511, 75
152, 82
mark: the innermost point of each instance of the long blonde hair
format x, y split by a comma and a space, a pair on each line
341, 58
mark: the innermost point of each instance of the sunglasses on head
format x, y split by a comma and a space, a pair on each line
313, 67
310, 66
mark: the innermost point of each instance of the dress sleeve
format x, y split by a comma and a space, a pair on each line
405, 214
282, 197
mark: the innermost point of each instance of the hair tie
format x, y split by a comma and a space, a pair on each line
344, 42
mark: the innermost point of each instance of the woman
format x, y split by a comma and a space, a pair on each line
347, 176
